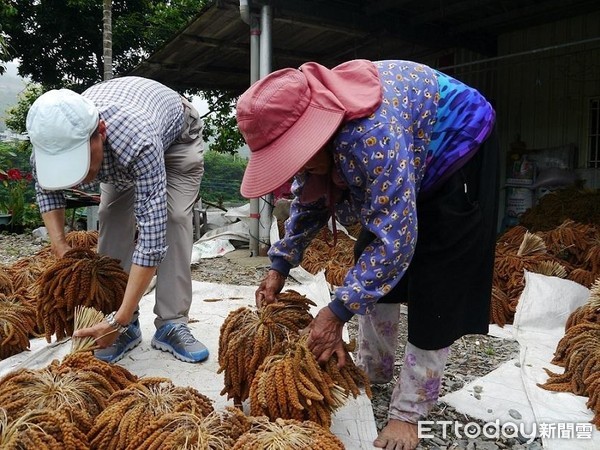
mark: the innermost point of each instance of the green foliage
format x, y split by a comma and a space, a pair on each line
3, 52
222, 178
220, 126
14, 155
59, 42
489, 351
167, 17
6, 12
19, 198
17, 194
17, 115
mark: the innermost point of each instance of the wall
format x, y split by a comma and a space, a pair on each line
544, 96
540, 85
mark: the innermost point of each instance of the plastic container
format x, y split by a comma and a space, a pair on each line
518, 200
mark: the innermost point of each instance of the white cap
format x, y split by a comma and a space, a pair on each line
60, 124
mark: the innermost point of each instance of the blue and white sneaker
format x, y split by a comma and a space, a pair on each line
124, 343
177, 339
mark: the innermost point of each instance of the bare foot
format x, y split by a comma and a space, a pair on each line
398, 435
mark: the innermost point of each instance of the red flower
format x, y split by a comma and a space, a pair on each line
14, 174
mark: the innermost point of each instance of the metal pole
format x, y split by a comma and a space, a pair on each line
252, 20
266, 46
266, 57
255, 34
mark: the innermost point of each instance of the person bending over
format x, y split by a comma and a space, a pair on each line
142, 141
411, 153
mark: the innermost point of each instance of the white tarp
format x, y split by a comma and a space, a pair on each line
562, 419
354, 424
211, 248
223, 227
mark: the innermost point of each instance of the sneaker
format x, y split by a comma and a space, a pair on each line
177, 338
125, 342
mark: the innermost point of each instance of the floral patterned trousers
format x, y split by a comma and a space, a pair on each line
417, 389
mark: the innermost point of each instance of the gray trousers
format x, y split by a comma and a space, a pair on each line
184, 162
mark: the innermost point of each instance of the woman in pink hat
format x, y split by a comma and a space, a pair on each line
411, 153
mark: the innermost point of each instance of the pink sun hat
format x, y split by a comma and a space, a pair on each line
289, 115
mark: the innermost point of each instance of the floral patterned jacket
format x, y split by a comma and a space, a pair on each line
427, 126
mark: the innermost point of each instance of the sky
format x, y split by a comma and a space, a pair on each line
11, 68
200, 105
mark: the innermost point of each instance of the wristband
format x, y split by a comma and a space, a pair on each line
113, 323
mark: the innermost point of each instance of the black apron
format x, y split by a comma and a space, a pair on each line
448, 284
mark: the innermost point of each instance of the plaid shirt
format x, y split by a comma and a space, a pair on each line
143, 118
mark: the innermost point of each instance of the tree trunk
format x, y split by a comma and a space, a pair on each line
107, 38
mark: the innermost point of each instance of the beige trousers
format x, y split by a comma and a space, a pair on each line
184, 162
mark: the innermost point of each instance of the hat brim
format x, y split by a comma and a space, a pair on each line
63, 170
273, 165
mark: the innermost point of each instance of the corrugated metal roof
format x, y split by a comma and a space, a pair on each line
213, 51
